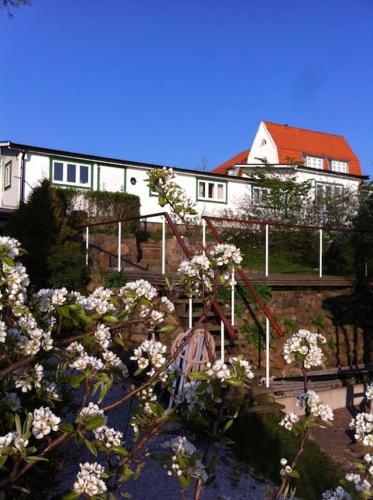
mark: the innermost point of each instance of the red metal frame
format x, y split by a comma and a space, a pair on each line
276, 327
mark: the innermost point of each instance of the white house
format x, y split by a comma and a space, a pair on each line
23, 166
326, 159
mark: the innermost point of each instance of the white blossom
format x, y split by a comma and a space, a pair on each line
109, 436
88, 480
338, 494
304, 345
92, 410
44, 421
360, 484
150, 351
102, 336
363, 426
289, 420
112, 360
218, 371
369, 392
3, 330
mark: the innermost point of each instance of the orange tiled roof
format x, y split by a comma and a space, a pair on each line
293, 142
239, 158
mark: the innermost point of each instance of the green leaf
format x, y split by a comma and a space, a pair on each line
120, 451
8, 261
71, 496
168, 329
235, 382
76, 380
127, 473
91, 423
294, 474
33, 459
228, 425
66, 427
110, 319
90, 447
18, 424
65, 311
198, 375
3, 459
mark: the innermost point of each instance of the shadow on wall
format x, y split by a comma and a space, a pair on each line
352, 319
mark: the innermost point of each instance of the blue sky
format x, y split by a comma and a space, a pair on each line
185, 82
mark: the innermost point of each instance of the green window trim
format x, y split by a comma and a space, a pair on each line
75, 162
214, 181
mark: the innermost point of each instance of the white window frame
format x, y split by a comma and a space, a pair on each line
339, 166
333, 187
7, 177
215, 184
260, 197
78, 165
314, 162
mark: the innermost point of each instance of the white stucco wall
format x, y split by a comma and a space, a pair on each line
326, 177
118, 177
111, 178
9, 197
259, 150
36, 169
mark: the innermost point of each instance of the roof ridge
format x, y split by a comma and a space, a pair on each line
304, 129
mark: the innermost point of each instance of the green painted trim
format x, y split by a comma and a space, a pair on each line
218, 181
68, 160
125, 180
98, 177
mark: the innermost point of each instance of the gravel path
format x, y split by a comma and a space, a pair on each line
338, 441
234, 479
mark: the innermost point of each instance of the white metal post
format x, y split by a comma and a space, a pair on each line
320, 253
163, 244
119, 246
267, 352
190, 313
266, 250
232, 298
222, 338
86, 245
204, 235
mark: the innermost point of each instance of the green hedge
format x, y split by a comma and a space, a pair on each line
98, 206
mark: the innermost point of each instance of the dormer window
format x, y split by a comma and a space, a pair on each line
314, 162
339, 166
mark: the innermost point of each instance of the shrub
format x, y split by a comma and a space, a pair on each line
66, 266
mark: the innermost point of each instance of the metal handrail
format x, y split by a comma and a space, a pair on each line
245, 279
282, 224
187, 253
215, 304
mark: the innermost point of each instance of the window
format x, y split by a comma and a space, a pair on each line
75, 174
7, 180
328, 190
259, 195
339, 166
313, 162
212, 191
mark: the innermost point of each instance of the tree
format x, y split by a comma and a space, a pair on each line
9, 5
43, 227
